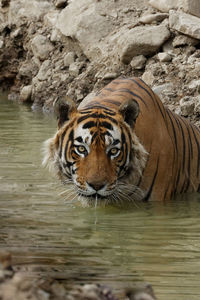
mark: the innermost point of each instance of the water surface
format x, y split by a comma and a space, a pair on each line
154, 242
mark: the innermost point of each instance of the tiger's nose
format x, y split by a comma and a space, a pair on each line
96, 186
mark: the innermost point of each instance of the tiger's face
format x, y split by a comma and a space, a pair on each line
96, 152
97, 149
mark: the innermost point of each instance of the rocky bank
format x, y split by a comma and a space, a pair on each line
53, 48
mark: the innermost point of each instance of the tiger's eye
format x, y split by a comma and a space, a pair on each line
81, 149
114, 151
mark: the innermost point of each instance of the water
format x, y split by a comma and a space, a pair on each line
155, 242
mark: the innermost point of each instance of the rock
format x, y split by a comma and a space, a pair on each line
1, 44
55, 36
25, 94
164, 57
110, 75
74, 69
187, 105
69, 58
45, 71
147, 19
27, 9
194, 85
41, 47
81, 20
182, 40
168, 47
164, 5
60, 3
148, 77
190, 6
197, 105
141, 40
185, 23
138, 62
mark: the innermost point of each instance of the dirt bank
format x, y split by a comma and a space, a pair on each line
52, 48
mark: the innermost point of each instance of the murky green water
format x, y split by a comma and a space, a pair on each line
158, 243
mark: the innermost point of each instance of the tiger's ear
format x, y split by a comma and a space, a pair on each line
63, 109
129, 110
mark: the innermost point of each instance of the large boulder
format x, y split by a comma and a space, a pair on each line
20, 9
81, 20
185, 23
140, 41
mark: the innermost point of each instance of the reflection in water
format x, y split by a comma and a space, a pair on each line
154, 242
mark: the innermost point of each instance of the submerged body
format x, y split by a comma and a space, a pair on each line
124, 144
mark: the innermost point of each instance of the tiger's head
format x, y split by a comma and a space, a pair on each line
97, 149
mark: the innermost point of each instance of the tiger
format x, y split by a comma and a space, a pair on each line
124, 144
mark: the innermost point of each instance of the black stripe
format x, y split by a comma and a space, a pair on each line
132, 94
174, 130
61, 143
79, 139
89, 124
95, 115
106, 125
70, 139
112, 101
148, 194
198, 148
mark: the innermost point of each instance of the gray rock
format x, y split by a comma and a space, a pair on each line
20, 9
110, 75
147, 19
141, 40
41, 47
138, 62
190, 6
148, 77
164, 57
185, 23
69, 58
164, 5
25, 94
187, 105
182, 40
60, 3
74, 69
197, 105
44, 71
81, 20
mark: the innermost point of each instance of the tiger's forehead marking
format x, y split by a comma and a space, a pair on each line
89, 128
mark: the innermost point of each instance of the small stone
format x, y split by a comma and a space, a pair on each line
60, 3
1, 44
138, 62
187, 105
197, 105
182, 40
45, 70
194, 85
25, 94
148, 77
41, 47
147, 19
74, 69
69, 58
110, 76
164, 57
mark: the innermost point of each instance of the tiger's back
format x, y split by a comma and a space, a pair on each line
167, 145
